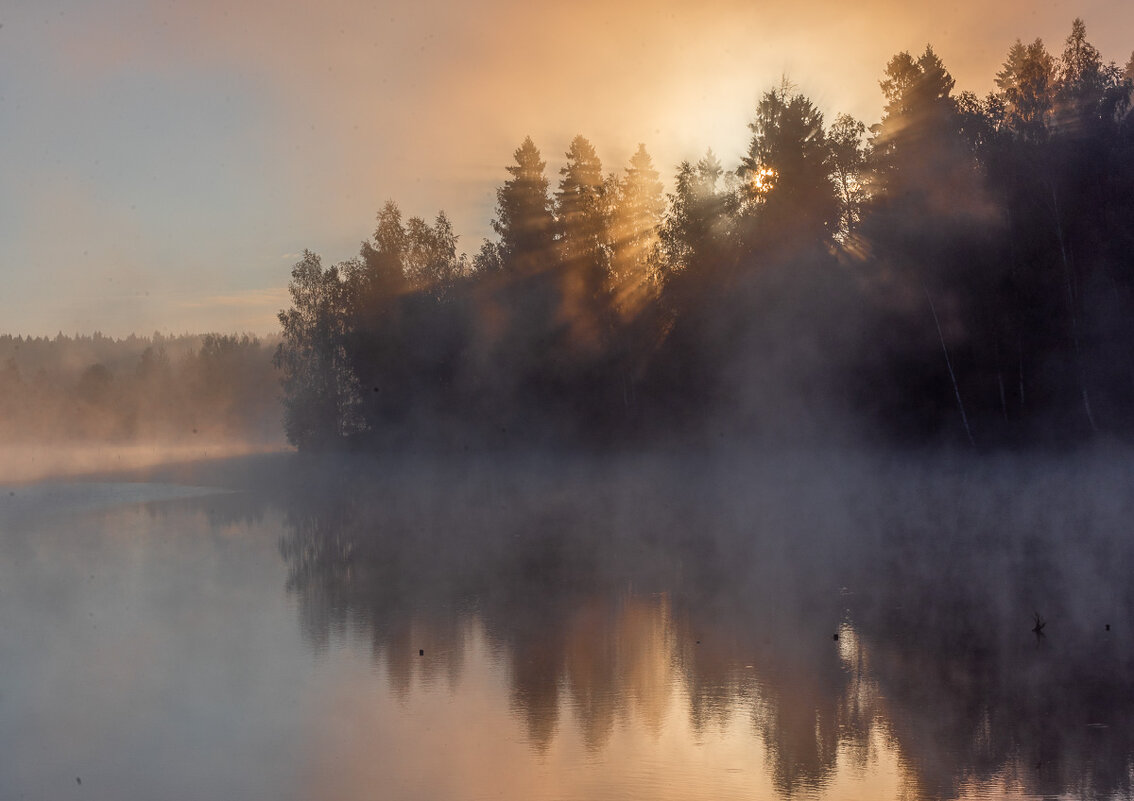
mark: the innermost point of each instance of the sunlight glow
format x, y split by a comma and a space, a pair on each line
763, 180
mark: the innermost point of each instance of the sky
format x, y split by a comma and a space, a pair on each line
163, 164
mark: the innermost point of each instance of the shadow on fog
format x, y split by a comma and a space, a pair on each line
607, 586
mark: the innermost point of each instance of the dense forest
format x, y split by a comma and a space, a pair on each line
158, 389
961, 272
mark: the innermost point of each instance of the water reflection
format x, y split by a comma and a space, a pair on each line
573, 628
847, 618
142, 647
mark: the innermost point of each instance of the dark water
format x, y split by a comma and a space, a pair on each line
804, 626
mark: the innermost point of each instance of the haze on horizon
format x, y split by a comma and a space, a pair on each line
167, 163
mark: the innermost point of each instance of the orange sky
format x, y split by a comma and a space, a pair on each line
167, 161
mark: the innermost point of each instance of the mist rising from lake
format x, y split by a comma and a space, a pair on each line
536, 627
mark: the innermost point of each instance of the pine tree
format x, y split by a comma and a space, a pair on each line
917, 152
638, 207
1027, 86
697, 227
786, 174
581, 207
1090, 95
524, 221
582, 218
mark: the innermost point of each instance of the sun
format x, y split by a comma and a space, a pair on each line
763, 180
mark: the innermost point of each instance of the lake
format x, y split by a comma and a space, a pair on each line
806, 625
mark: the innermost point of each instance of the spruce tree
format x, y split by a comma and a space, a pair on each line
524, 221
637, 211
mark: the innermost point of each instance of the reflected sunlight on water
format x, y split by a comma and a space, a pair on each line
416, 730
25, 463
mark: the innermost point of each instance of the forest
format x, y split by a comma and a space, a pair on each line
158, 389
959, 272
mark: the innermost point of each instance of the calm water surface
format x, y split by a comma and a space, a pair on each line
796, 627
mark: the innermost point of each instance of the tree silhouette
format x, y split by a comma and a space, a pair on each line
786, 174
637, 211
384, 261
582, 217
321, 392
694, 234
1083, 80
581, 205
1027, 85
431, 260
916, 151
848, 168
975, 252
524, 221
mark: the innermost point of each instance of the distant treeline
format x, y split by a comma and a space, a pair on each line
165, 388
960, 271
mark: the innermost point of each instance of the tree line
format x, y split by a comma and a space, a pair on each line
960, 271
157, 388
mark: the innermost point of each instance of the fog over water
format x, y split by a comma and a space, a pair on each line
797, 472
535, 626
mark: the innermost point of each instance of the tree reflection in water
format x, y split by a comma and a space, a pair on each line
609, 586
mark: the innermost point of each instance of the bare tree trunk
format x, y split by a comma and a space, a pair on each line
1069, 282
1020, 346
949, 364
1000, 383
